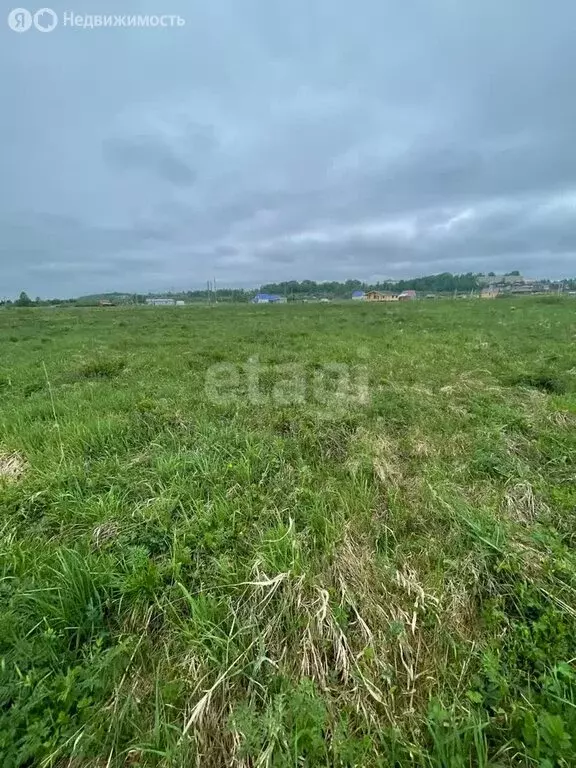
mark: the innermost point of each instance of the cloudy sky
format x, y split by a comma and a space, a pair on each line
274, 139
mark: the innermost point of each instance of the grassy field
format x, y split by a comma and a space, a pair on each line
337, 535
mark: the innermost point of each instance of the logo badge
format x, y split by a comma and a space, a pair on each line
45, 20
19, 20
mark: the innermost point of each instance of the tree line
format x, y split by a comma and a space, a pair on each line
293, 290
443, 283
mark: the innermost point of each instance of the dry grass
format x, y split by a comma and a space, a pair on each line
564, 419
521, 504
356, 631
381, 451
12, 466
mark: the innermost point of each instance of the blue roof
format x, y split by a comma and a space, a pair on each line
358, 293
267, 296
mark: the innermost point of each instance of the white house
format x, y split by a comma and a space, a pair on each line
161, 302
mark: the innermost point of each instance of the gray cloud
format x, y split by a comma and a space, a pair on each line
151, 154
288, 140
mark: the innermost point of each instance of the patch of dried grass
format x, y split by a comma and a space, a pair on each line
365, 628
12, 466
420, 446
563, 419
459, 604
381, 452
467, 382
104, 534
386, 462
522, 505
456, 446
517, 445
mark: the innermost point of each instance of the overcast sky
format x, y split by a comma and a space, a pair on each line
287, 139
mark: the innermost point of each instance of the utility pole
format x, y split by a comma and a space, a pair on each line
215, 293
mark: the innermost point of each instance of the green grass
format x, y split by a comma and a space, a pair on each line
377, 570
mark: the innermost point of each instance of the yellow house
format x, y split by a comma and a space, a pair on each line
378, 296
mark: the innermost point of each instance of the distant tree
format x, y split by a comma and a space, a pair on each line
514, 273
24, 300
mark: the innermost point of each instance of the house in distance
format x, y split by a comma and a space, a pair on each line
160, 302
380, 296
268, 298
